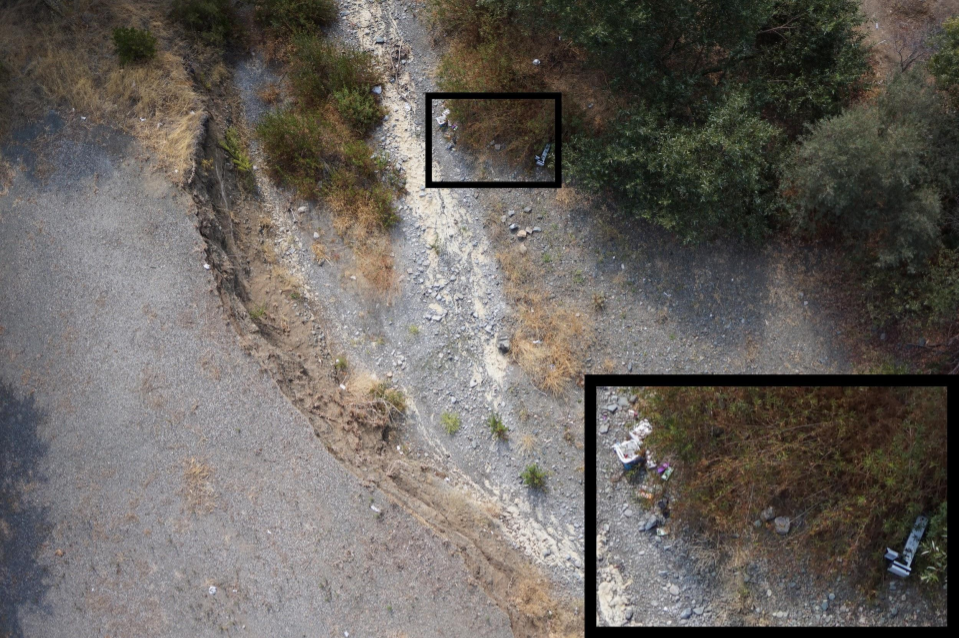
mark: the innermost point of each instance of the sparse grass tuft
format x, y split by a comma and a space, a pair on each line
340, 364
534, 476
134, 45
198, 488
270, 94
257, 313
393, 397
497, 427
526, 443
233, 145
414, 329
599, 301
451, 422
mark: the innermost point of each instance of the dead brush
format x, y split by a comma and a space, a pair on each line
62, 61
852, 467
198, 487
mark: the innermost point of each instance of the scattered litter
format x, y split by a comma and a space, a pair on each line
903, 568
661, 531
535, 62
541, 159
83, 117
206, 266
378, 89
213, 590
629, 451
662, 468
667, 473
375, 509
342, 387
441, 120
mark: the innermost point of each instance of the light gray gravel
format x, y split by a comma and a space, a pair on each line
118, 366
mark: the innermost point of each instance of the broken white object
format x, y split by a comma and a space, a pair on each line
342, 387
316, 235
536, 62
213, 590
377, 89
206, 266
375, 508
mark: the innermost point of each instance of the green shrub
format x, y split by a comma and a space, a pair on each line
933, 552
534, 476
295, 15
134, 45
359, 108
232, 144
877, 174
391, 396
319, 68
497, 427
944, 63
450, 422
698, 181
304, 148
213, 21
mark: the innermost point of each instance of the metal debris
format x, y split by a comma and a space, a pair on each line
902, 567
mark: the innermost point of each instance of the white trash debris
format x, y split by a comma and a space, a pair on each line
628, 451
206, 266
213, 590
536, 62
377, 89
375, 509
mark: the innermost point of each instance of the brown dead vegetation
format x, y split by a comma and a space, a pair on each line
68, 63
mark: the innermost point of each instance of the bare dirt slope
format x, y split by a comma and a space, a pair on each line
145, 459
644, 579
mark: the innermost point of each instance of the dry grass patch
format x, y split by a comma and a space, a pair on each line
71, 63
198, 487
270, 94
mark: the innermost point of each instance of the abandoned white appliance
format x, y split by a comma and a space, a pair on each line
903, 567
629, 451
541, 159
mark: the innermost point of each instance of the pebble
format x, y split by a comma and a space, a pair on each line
527, 209
782, 524
612, 407
832, 596
521, 234
698, 611
377, 89
768, 514
825, 605
628, 513
316, 235
686, 613
514, 227
674, 590
604, 428
379, 40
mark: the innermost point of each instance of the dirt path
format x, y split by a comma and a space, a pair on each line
644, 579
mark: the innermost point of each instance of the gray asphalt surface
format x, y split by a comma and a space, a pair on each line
118, 366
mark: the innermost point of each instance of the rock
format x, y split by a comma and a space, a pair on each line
674, 590
511, 212
782, 524
628, 613
604, 428
757, 523
825, 605
497, 146
769, 593
780, 614
379, 39
792, 585
632, 398
628, 513
535, 62
503, 345
650, 523
537, 229
514, 227
301, 209
623, 403
698, 611
832, 596
521, 235
686, 613
768, 514
612, 407
894, 612
522, 249
377, 89
527, 209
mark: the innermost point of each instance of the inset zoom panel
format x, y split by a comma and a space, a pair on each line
494, 140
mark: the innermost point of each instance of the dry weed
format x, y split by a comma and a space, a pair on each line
526, 443
198, 489
270, 94
66, 62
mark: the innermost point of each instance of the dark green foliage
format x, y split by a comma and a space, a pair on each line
534, 476
495, 424
944, 64
359, 108
699, 181
809, 60
213, 21
134, 45
319, 69
296, 15
931, 295
877, 174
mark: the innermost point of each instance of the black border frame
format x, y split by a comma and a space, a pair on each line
428, 129
594, 381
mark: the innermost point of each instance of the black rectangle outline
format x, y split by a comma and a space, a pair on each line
428, 128
594, 381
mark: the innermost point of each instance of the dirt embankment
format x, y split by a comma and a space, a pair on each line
291, 337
